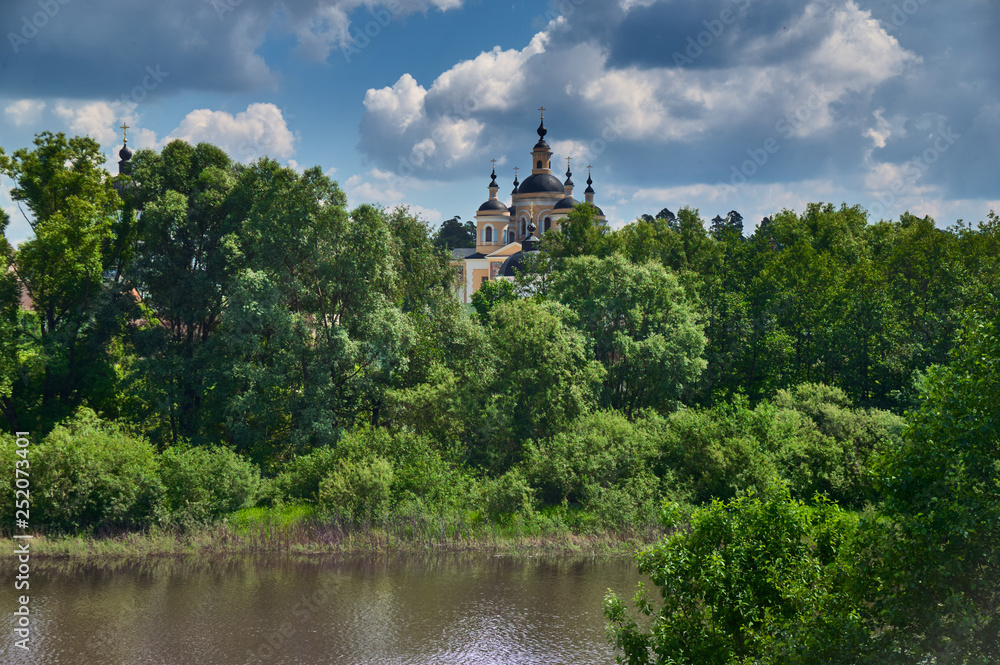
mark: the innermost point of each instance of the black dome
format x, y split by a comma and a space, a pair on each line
513, 262
125, 153
563, 204
539, 183
492, 204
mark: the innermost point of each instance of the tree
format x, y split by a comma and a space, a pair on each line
453, 234
546, 374
73, 208
491, 294
934, 571
645, 331
579, 234
759, 579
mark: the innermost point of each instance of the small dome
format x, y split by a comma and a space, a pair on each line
512, 265
125, 153
565, 204
540, 183
493, 204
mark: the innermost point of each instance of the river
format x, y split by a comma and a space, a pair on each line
446, 608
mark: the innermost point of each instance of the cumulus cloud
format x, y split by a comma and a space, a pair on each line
88, 49
94, 119
610, 104
257, 132
24, 111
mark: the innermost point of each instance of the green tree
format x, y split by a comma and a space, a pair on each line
72, 208
934, 568
491, 294
547, 376
453, 234
759, 579
645, 331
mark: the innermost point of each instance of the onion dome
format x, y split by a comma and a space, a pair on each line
530, 242
516, 183
569, 176
565, 204
538, 183
493, 204
590, 189
541, 135
125, 153
512, 265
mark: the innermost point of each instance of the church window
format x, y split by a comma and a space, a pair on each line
523, 229
539, 164
488, 234
548, 223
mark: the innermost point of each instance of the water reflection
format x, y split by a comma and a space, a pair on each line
453, 608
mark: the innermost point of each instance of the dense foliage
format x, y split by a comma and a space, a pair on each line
817, 399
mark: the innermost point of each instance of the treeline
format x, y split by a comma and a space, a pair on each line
205, 336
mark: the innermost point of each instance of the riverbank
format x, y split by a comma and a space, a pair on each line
297, 530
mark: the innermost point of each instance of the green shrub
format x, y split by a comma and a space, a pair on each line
509, 495
633, 502
715, 453
202, 484
834, 446
358, 490
302, 476
597, 450
89, 473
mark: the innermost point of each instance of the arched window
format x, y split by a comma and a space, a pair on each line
548, 223
539, 164
488, 234
524, 230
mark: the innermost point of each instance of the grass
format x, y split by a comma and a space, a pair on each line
300, 530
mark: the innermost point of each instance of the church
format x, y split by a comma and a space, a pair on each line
504, 232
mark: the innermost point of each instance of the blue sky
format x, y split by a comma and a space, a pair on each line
716, 104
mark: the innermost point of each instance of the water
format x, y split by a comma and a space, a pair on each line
402, 611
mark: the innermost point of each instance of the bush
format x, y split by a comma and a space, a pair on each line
715, 453
358, 490
598, 450
835, 446
301, 478
509, 495
202, 484
89, 473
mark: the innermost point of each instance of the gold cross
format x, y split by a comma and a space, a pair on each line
588, 170
567, 162
515, 173
494, 164
542, 110
124, 132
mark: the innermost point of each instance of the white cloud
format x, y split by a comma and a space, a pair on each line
259, 131
25, 111
381, 187
95, 119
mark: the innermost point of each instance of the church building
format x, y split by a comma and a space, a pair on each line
504, 232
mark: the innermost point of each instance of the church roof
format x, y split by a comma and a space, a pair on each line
493, 204
541, 183
465, 253
566, 203
512, 264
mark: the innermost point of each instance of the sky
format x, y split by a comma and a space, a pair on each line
718, 105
